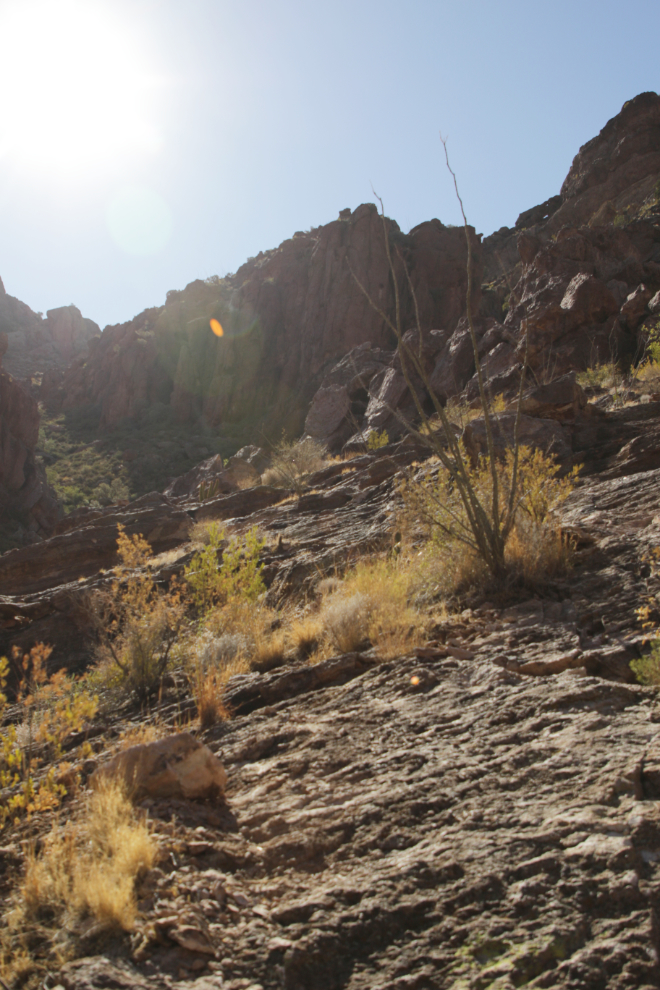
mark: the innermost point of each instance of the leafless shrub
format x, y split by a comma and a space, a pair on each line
294, 463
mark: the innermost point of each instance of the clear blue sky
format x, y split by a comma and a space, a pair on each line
239, 123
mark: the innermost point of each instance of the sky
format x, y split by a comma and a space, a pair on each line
147, 143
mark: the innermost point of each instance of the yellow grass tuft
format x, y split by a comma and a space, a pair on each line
373, 605
89, 869
268, 650
306, 634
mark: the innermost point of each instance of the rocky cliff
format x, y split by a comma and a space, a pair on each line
287, 316
35, 344
301, 340
26, 501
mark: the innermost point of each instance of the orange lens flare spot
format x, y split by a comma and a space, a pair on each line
414, 680
217, 328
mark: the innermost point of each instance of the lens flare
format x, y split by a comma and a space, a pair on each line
216, 328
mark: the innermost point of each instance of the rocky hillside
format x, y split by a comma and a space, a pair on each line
466, 795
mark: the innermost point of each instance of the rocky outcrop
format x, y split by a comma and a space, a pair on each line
28, 507
36, 344
288, 316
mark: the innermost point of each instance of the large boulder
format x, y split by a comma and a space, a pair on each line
178, 766
562, 399
588, 300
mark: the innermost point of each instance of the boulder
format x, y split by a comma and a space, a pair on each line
588, 300
209, 472
634, 308
178, 766
259, 458
328, 412
542, 434
654, 304
561, 399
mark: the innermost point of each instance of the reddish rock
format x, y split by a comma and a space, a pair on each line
562, 399
178, 766
24, 491
588, 300
634, 309
36, 344
619, 166
288, 315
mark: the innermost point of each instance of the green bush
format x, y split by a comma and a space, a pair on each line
237, 578
647, 668
377, 440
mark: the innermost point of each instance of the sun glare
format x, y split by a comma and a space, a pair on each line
75, 86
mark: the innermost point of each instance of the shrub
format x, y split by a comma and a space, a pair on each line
377, 440
137, 625
346, 620
52, 707
606, 375
237, 578
373, 605
294, 463
533, 543
647, 668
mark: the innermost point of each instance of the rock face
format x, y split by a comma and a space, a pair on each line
288, 316
25, 497
177, 766
39, 345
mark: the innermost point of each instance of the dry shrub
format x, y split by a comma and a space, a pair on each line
327, 585
533, 547
294, 463
268, 650
200, 532
248, 627
305, 635
346, 620
208, 686
535, 551
89, 869
216, 657
137, 625
374, 604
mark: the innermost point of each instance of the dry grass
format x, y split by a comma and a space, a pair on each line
146, 732
200, 533
208, 687
268, 650
305, 635
89, 869
536, 551
373, 605
294, 463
